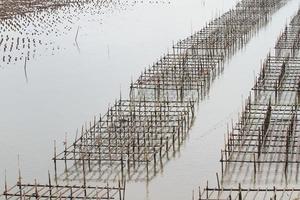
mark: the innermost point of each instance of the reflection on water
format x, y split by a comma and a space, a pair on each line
260, 159
35, 33
63, 91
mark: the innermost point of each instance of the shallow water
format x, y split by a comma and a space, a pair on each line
64, 90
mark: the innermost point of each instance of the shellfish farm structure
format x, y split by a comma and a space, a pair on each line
140, 132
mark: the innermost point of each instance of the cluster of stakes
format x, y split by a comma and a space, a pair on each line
32, 28
263, 149
11, 8
137, 136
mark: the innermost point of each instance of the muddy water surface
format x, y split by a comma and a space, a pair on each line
76, 77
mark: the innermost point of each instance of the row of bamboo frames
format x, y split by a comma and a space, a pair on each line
137, 135
57, 191
263, 148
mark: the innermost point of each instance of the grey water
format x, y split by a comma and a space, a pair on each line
64, 90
